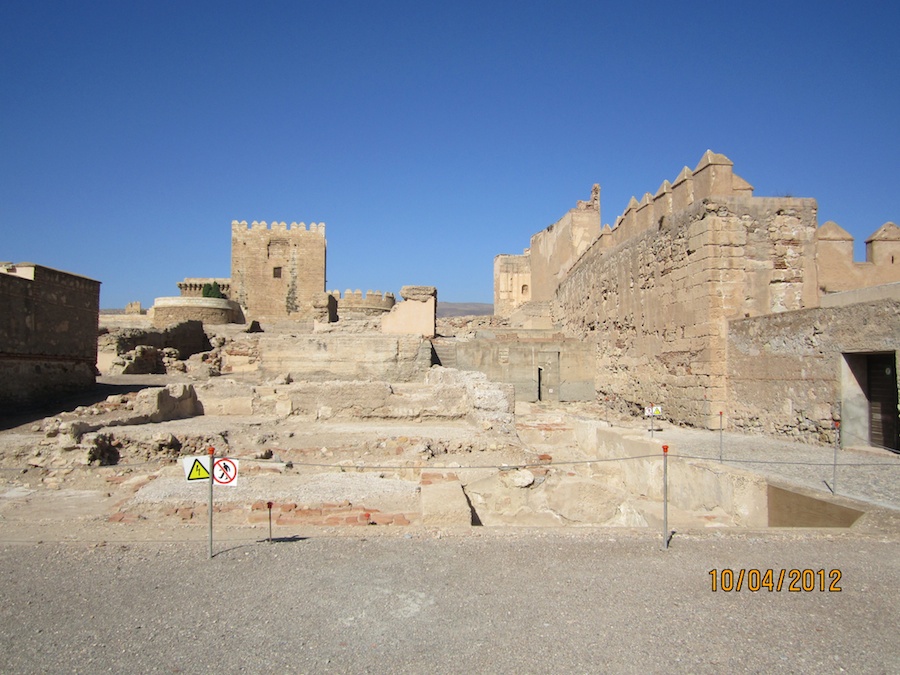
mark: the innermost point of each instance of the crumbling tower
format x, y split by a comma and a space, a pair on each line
277, 270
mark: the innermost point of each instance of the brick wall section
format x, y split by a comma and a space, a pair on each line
655, 305
48, 334
277, 271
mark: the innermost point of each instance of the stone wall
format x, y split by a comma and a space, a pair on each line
354, 305
512, 282
277, 272
839, 272
541, 365
192, 287
416, 315
48, 333
333, 356
655, 304
785, 371
211, 311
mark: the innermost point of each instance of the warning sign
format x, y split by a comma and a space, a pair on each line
653, 411
195, 468
225, 470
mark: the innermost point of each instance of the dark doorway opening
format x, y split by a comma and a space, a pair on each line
881, 378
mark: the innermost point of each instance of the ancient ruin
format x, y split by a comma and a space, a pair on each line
721, 309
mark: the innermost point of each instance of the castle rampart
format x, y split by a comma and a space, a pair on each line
353, 304
837, 269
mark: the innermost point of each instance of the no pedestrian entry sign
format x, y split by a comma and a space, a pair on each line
224, 472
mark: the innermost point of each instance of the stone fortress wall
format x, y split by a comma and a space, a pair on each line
277, 271
661, 296
48, 333
656, 291
353, 304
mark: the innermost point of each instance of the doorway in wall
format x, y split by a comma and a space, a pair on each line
882, 380
869, 400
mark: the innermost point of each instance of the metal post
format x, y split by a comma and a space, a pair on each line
652, 425
720, 436
837, 444
665, 496
269, 505
212, 460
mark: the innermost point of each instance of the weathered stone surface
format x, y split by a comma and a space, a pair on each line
174, 401
418, 293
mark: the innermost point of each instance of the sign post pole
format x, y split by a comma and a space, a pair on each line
665, 496
837, 444
720, 436
212, 457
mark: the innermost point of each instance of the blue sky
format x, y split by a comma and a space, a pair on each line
429, 137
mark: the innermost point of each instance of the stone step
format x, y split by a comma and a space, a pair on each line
446, 354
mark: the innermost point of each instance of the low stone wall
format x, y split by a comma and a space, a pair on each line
213, 311
325, 357
693, 484
785, 370
35, 380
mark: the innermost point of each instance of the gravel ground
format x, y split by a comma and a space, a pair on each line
528, 601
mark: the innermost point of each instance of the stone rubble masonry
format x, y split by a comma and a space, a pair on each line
416, 316
786, 374
48, 333
656, 306
277, 271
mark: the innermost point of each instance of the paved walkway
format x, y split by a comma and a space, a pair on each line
870, 475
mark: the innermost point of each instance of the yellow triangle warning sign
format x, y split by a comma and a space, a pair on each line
198, 471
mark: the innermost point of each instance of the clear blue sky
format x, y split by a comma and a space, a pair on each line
429, 137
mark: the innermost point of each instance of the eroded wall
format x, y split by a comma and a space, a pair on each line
48, 333
655, 305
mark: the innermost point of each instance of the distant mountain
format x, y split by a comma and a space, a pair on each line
445, 309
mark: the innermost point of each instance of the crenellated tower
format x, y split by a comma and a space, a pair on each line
277, 270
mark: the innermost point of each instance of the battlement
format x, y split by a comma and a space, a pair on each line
374, 300
192, 287
712, 177
261, 226
837, 271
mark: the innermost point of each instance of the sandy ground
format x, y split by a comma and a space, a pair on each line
79, 593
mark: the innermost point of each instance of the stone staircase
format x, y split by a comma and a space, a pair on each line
446, 353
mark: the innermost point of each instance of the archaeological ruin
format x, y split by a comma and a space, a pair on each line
720, 309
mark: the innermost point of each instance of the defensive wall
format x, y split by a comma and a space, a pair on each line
192, 287
48, 333
535, 275
211, 311
680, 298
353, 304
837, 269
277, 271
654, 293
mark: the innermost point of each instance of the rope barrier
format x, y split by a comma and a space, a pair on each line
498, 467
